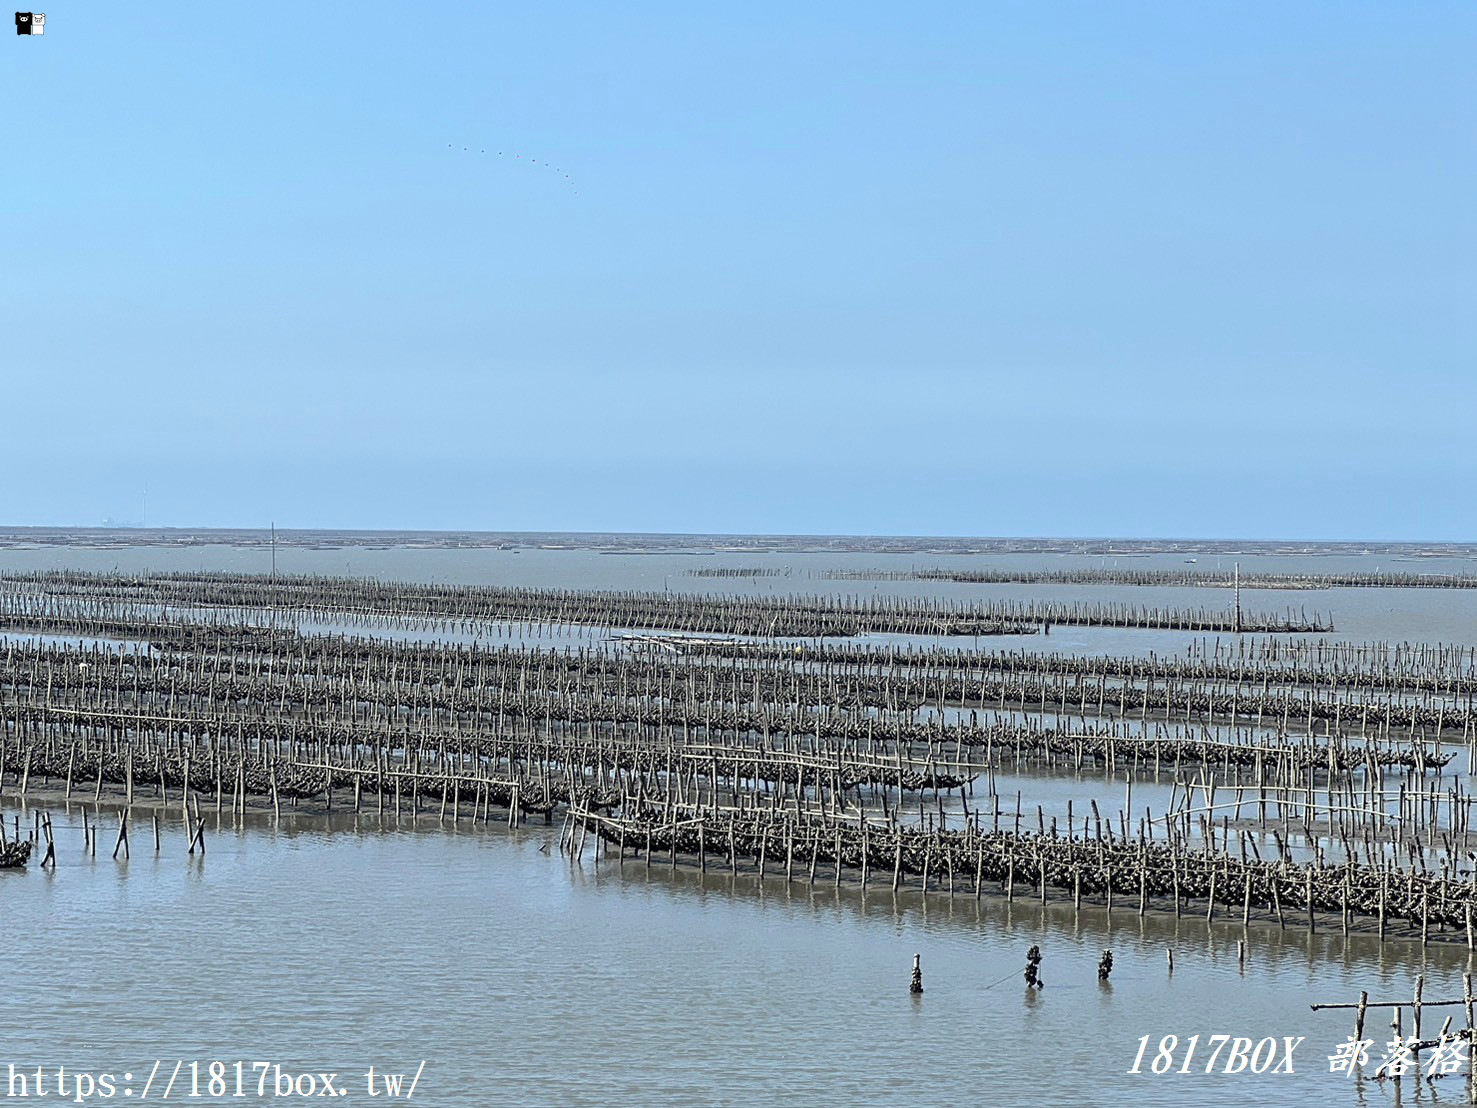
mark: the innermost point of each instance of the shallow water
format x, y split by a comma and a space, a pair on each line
1360, 615
73, 642
337, 942
334, 943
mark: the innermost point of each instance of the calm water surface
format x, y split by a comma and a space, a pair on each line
339, 942
336, 942
1360, 615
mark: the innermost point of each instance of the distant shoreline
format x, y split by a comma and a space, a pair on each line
641, 543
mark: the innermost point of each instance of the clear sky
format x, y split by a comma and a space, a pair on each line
1171, 269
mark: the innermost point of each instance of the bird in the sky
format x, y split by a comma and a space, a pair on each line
532, 161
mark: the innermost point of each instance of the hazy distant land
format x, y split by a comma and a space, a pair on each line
634, 543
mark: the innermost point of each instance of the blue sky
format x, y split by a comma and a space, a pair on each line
990, 269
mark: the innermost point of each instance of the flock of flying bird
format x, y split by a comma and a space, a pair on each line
530, 161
